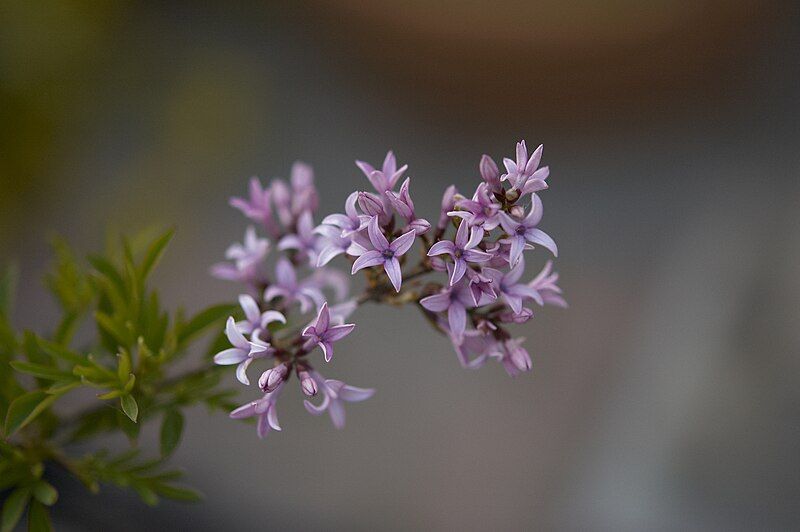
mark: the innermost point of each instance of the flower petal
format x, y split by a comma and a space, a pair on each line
235, 337
370, 258
230, 356
517, 245
272, 316
537, 236
241, 371
437, 302
336, 411
353, 394
402, 243
457, 319
250, 307
327, 350
392, 267
458, 271
376, 235
442, 247
338, 332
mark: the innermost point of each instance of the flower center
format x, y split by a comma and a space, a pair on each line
388, 254
458, 253
521, 230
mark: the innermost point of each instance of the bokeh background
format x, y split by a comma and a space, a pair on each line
667, 397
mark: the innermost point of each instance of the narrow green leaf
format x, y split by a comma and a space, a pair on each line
154, 253
117, 331
38, 518
45, 493
171, 430
107, 270
42, 371
13, 508
147, 495
59, 388
204, 319
178, 493
25, 408
130, 407
60, 352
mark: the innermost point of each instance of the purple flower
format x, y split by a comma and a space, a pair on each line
508, 286
404, 206
247, 258
480, 286
304, 241
461, 250
490, 173
265, 409
473, 344
351, 221
259, 207
525, 174
448, 203
304, 193
273, 377
243, 352
334, 395
513, 356
455, 300
321, 333
384, 253
374, 205
386, 178
255, 320
287, 287
525, 231
481, 211
545, 285
332, 244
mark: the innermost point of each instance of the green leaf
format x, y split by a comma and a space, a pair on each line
171, 430
117, 331
130, 407
13, 508
147, 495
178, 493
154, 253
201, 321
43, 372
38, 518
60, 352
107, 270
45, 493
25, 408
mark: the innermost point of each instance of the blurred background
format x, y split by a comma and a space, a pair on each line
667, 397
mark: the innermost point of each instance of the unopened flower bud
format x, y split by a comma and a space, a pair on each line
309, 386
419, 226
509, 317
448, 203
520, 358
512, 195
518, 212
490, 173
370, 204
271, 378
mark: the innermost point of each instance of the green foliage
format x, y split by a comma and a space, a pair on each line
127, 366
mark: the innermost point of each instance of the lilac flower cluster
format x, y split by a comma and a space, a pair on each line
477, 245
